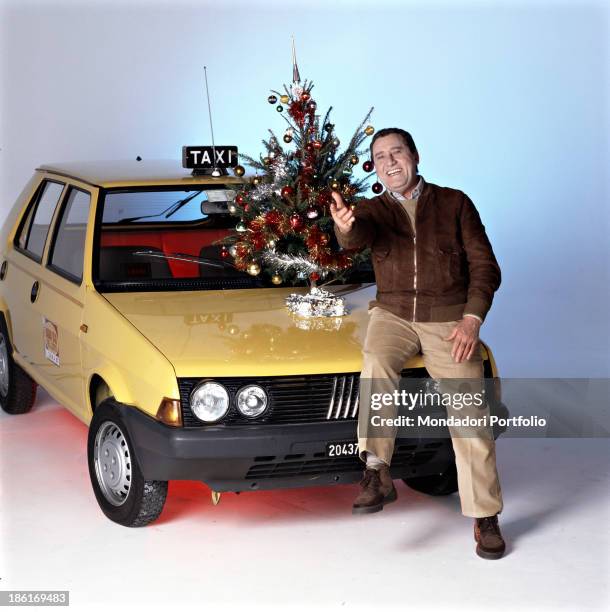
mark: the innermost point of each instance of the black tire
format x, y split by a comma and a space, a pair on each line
17, 389
445, 483
128, 500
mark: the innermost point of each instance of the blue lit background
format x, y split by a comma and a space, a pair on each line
506, 100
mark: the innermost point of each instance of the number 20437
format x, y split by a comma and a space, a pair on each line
342, 449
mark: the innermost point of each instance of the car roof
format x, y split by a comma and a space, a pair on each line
125, 173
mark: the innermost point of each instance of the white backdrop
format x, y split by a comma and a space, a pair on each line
506, 100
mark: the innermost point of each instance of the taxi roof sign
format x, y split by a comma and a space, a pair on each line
209, 158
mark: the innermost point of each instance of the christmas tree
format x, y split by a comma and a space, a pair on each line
285, 230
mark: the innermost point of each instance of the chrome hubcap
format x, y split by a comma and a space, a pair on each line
112, 463
4, 372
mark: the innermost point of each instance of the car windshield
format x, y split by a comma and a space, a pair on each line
170, 238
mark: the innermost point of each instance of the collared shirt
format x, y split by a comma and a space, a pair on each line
415, 193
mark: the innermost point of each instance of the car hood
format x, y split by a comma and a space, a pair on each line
249, 332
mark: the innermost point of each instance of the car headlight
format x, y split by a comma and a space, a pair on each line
209, 401
251, 401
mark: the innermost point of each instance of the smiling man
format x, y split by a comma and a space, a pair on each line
436, 276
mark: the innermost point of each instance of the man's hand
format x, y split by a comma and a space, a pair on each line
465, 336
342, 214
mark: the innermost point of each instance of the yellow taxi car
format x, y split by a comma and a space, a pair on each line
115, 298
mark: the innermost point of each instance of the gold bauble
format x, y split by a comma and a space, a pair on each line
369, 130
239, 170
254, 269
276, 279
284, 99
334, 184
354, 160
256, 180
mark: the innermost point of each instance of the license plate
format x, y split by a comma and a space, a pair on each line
342, 449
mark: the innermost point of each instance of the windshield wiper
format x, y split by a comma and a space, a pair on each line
168, 212
186, 257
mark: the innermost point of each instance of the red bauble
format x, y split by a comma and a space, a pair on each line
377, 188
296, 221
305, 96
239, 199
367, 166
287, 191
224, 252
317, 144
314, 276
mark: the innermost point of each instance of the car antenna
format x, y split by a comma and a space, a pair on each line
215, 171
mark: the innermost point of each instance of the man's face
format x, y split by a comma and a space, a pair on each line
395, 165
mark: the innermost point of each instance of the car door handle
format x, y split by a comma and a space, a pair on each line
34, 292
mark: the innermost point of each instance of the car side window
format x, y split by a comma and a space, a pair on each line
68, 248
33, 233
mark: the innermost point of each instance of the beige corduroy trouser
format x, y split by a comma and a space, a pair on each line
390, 342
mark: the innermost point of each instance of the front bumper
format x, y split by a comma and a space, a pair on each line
244, 458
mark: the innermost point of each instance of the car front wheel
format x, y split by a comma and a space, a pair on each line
444, 483
119, 486
17, 389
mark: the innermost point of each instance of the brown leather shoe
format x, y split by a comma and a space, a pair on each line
377, 490
490, 544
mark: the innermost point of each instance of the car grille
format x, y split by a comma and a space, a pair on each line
276, 467
292, 399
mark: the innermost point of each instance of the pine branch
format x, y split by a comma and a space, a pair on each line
326, 118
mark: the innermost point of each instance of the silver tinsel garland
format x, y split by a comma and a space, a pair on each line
316, 303
279, 173
284, 262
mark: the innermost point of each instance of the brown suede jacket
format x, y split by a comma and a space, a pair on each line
443, 270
